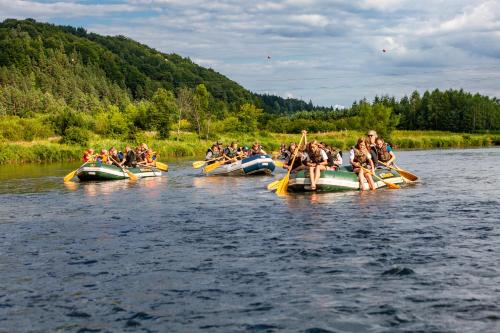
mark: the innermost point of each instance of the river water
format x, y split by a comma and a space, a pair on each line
187, 253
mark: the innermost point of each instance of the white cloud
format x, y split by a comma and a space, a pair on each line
329, 51
310, 19
22, 9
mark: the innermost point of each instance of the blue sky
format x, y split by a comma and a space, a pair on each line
328, 51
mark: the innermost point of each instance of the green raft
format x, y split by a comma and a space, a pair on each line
99, 171
343, 179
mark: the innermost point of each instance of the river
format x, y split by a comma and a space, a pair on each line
187, 253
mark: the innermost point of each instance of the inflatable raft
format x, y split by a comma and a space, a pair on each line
99, 171
343, 179
252, 165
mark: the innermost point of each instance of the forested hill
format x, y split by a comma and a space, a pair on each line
130, 65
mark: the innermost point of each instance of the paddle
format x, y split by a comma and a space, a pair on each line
214, 166
389, 185
199, 164
131, 175
217, 164
70, 176
406, 174
161, 166
278, 163
282, 185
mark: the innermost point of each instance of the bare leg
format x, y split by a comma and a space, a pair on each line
313, 177
370, 181
361, 176
318, 173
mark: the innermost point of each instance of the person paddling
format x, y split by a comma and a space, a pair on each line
88, 155
384, 152
130, 158
360, 158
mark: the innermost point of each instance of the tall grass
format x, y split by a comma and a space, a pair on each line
189, 145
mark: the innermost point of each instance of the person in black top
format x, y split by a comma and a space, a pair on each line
130, 158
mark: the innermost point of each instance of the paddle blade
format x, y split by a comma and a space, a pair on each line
274, 185
407, 175
392, 186
213, 166
162, 166
198, 164
69, 176
283, 186
131, 175
278, 163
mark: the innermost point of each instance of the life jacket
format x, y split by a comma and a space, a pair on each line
382, 153
315, 157
149, 158
360, 157
230, 152
331, 157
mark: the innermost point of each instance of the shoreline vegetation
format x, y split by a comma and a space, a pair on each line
189, 145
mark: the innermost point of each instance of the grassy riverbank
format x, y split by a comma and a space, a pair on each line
188, 145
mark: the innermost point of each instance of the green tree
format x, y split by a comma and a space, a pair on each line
378, 117
166, 109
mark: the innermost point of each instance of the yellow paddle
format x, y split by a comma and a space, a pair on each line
70, 176
217, 164
282, 185
389, 185
278, 163
131, 175
406, 174
199, 164
161, 166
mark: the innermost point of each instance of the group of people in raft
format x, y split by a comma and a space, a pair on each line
316, 156
232, 152
140, 156
368, 152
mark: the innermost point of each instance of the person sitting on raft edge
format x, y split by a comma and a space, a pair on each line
316, 160
360, 158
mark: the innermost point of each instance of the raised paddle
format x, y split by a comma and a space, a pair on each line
406, 174
389, 185
282, 184
131, 175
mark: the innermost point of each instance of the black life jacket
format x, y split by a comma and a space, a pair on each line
331, 157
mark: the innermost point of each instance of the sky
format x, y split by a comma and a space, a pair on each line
331, 52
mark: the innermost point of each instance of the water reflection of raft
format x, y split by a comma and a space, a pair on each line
340, 180
252, 165
99, 171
